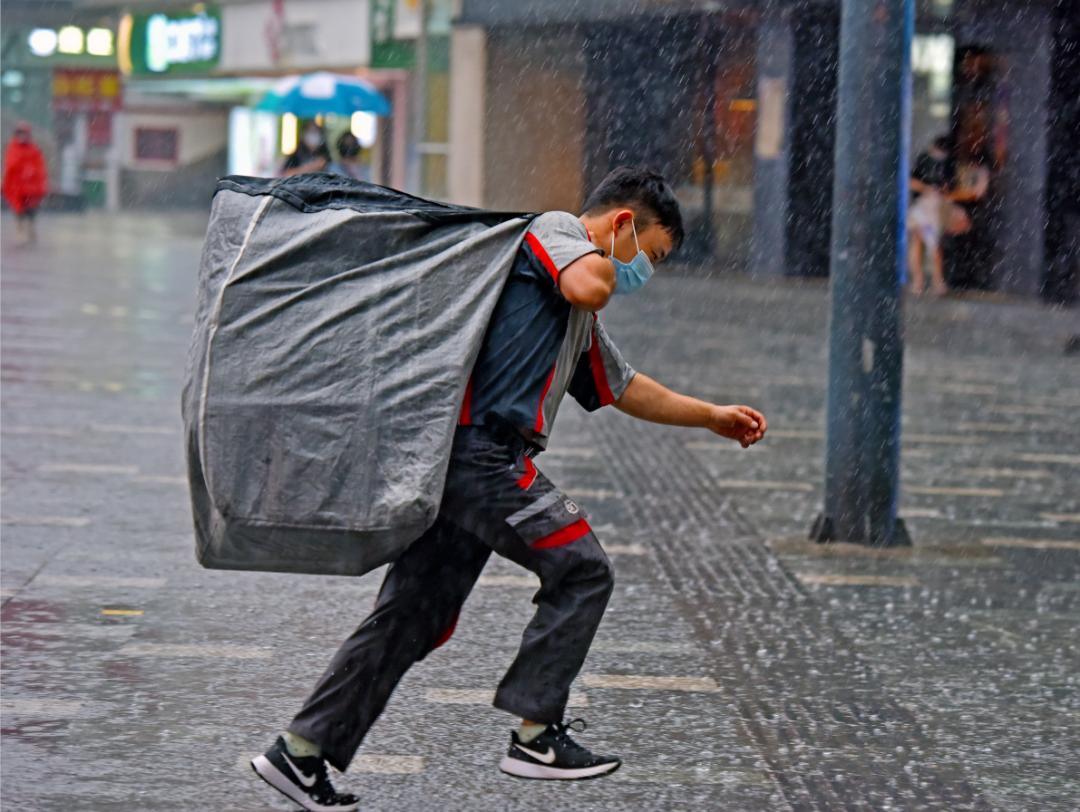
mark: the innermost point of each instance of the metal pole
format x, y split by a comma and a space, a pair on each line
868, 256
415, 173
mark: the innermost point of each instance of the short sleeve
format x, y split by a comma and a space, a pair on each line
554, 240
602, 374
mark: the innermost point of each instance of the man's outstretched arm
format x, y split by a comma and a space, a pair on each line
647, 399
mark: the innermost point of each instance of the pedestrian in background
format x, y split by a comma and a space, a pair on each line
925, 224
311, 155
26, 181
350, 161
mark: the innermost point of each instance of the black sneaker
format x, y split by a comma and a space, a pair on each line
553, 755
303, 780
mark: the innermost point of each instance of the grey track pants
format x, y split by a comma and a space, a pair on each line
494, 499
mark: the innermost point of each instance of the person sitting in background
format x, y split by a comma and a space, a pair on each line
350, 161
968, 223
929, 180
26, 181
311, 155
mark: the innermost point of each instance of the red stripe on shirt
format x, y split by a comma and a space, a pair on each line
529, 476
565, 536
466, 406
596, 363
543, 395
542, 255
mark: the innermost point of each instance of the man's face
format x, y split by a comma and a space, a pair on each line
653, 239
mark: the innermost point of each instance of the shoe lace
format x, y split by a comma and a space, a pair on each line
576, 725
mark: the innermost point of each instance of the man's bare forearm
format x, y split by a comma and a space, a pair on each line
650, 400
646, 399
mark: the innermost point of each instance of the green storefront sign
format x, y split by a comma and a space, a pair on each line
170, 43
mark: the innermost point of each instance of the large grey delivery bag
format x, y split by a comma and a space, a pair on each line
336, 327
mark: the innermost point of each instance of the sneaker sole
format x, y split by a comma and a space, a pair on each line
523, 769
265, 769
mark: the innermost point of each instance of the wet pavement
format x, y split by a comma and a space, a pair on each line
739, 666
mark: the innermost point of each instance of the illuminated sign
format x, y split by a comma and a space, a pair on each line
170, 43
86, 90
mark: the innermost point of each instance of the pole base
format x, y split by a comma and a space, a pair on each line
824, 531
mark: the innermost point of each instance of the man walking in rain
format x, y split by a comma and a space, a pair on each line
543, 341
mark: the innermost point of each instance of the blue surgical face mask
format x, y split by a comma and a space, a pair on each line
631, 276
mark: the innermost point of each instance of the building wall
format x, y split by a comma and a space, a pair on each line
534, 113
202, 147
316, 33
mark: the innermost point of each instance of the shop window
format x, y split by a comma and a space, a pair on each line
157, 144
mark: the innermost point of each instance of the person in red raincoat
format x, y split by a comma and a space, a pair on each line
26, 180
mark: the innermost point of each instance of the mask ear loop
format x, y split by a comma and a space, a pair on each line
633, 227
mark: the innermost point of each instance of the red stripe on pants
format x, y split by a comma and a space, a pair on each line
446, 635
529, 476
565, 536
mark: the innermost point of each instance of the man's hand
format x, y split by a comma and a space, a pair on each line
739, 423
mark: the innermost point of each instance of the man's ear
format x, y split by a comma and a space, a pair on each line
622, 219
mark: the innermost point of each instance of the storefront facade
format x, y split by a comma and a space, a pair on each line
60, 74
736, 106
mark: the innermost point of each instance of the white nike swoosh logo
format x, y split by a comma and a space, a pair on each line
307, 780
543, 758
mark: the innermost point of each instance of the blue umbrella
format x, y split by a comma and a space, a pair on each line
321, 93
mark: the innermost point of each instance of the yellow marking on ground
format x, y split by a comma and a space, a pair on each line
1071, 518
41, 708
836, 579
195, 650
594, 493
765, 485
103, 581
483, 696
530, 581
1032, 544
122, 612
650, 683
1008, 473
920, 513
920, 453
1064, 459
625, 549
46, 521
928, 490
387, 765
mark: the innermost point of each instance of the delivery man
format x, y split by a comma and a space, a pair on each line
544, 340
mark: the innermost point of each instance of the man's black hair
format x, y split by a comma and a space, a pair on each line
646, 193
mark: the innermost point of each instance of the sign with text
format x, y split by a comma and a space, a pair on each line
86, 90
169, 44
